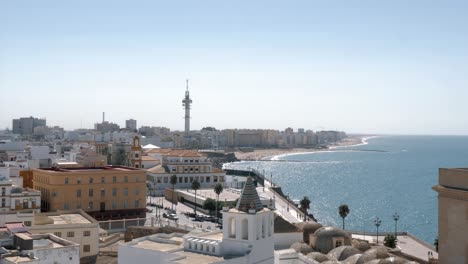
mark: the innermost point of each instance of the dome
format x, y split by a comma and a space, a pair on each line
324, 239
352, 260
307, 229
361, 245
392, 260
343, 252
302, 248
376, 253
317, 256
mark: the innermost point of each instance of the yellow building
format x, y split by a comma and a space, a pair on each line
453, 215
111, 192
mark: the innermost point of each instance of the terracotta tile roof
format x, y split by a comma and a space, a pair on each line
177, 152
148, 158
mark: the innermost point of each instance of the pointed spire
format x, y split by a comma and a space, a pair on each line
186, 81
249, 198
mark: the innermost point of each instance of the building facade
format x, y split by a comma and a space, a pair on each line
131, 125
112, 192
187, 165
453, 215
75, 226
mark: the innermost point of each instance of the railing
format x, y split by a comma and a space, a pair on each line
113, 226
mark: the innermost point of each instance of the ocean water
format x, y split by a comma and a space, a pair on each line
388, 174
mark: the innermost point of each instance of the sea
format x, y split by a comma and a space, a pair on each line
383, 176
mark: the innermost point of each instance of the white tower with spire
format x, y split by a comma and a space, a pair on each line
186, 103
248, 228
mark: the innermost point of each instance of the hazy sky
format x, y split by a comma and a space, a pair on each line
359, 66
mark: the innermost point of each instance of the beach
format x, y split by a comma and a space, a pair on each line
265, 154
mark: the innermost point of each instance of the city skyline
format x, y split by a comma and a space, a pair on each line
360, 67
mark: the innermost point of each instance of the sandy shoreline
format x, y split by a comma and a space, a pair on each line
265, 154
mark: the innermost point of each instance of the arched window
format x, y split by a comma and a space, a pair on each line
232, 228
245, 229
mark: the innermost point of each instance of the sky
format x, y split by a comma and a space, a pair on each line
387, 67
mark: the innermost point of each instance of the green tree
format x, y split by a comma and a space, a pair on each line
173, 181
390, 241
218, 189
305, 205
210, 205
343, 210
195, 187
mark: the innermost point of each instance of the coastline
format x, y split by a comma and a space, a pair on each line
269, 154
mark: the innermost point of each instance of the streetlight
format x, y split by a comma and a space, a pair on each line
396, 217
377, 223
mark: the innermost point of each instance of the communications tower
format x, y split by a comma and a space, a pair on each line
187, 102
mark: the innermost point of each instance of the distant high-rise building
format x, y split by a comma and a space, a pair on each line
131, 124
26, 125
186, 103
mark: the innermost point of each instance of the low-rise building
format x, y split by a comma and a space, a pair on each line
111, 192
42, 249
187, 165
75, 226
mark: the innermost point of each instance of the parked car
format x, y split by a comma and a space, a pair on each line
173, 217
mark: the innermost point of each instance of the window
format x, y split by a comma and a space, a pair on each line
208, 179
125, 204
221, 178
126, 179
159, 179
114, 191
86, 233
58, 234
27, 223
196, 160
90, 180
173, 169
33, 204
215, 178
3, 191
78, 193
136, 155
180, 179
202, 179
185, 179
66, 180
126, 192
191, 179
137, 191
78, 181
70, 234
90, 192
86, 248
3, 202
90, 206
25, 203
102, 180
103, 192
137, 178
166, 180
137, 204
114, 179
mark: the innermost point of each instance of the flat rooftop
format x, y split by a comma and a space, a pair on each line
228, 194
69, 219
152, 245
88, 169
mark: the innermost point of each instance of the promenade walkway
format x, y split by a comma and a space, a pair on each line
407, 243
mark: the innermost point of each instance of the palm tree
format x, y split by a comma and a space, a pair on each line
343, 210
218, 189
305, 205
195, 187
173, 181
